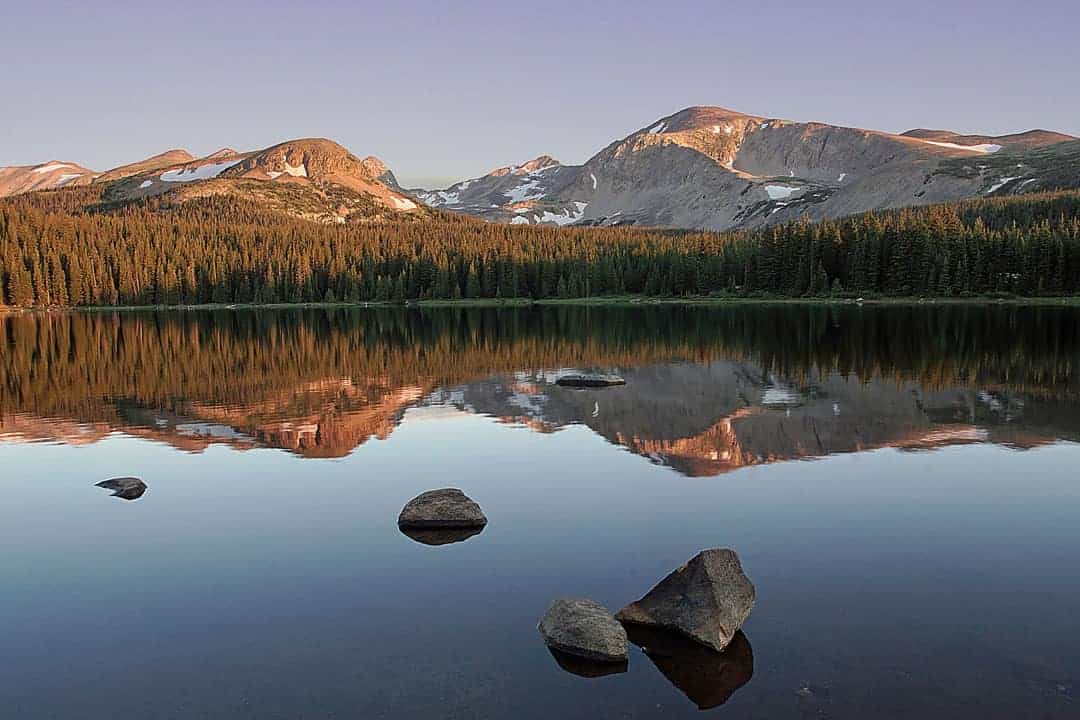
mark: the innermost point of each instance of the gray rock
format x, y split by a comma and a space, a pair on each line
125, 488
707, 599
583, 628
443, 509
589, 380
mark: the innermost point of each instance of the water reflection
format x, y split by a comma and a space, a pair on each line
428, 536
708, 390
583, 667
708, 678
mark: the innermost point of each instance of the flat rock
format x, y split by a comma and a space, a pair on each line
708, 678
583, 628
589, 380
707, 599
126, 488
444, 509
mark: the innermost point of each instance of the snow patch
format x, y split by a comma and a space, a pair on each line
274, 174
841, 178
519, 220
984, 149
203, 172
145, 184
300, 171
779, 192
51, 166
565, 217
66, 178
401, 203
526, 191
593, 180
1029, 180
1001, 183
658, 127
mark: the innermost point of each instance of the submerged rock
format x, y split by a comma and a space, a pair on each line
583, 628
436, 536
444, 509
704, 675
707, 599
589, 380
126, 488
583, 667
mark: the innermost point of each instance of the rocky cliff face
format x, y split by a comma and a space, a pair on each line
718, 169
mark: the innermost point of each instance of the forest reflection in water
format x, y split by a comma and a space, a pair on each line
709, 389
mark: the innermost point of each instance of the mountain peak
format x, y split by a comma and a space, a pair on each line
541, 162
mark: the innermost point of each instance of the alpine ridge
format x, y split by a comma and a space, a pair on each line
312, 178
718, 169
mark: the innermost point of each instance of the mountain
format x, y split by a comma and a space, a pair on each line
718, 169
313, 178
511, 194
161, 160
46, 176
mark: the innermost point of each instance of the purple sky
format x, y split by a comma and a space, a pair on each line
448, 90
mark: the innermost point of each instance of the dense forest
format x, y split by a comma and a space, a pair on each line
57, 250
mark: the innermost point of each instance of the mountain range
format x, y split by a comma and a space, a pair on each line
314, 178
717, 169
702, 168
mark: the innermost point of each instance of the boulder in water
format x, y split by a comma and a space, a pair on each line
444, 509
589, 380
707, 599
125, 488
583, 628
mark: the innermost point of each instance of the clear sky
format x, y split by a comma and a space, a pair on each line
446, 90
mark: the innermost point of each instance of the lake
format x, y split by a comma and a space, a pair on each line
899, 482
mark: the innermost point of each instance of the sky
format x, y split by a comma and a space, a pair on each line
447, 90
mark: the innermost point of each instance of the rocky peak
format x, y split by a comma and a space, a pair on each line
538, 163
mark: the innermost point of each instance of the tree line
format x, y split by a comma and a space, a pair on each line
54, 252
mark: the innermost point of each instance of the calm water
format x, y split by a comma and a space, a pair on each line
901, 485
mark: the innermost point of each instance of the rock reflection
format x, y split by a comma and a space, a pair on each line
436, 536
585, 668
708, 678
125, 488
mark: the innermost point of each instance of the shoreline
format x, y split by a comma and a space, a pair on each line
619, 301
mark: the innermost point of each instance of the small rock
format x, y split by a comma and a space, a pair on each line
583, 380
125, 488
444, 509
583, 628
707, 599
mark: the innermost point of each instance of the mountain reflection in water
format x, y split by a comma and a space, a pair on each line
707, 390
